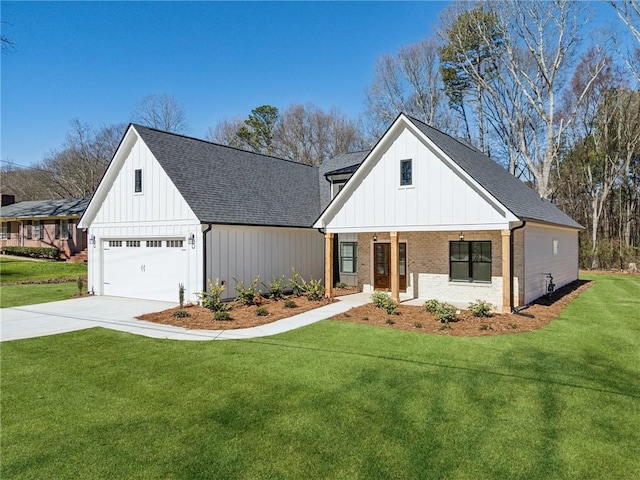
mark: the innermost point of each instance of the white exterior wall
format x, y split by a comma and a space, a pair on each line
159, 212
540, 258
459, 294
244, 252
440, 197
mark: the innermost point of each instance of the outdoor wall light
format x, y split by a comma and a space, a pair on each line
375, 237
92, 240
192, 240
461, 236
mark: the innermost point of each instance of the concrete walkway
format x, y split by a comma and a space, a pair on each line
119, 314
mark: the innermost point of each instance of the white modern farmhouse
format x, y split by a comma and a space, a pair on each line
435, 218
422, 215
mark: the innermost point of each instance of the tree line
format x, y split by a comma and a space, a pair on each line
532, 84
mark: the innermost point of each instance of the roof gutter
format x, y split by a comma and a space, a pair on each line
204, 256
511, 266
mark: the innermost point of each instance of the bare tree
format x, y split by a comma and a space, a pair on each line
224, 132
407, 82
309, 135
541, 40
6, 44
629, 12
162, 112
71, 171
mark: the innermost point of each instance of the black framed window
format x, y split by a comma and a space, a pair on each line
28, 226
138, 181
348, 257
470, 261
406, 177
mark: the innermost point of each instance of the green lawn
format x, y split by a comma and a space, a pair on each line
13, 270
334, 400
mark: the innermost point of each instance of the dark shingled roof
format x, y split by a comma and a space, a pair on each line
67, 207
344, 161
521, 200
230, 186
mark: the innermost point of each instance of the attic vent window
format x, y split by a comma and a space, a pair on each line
406, 177
138, 181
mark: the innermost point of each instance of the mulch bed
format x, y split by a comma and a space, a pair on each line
417, 319
538, 314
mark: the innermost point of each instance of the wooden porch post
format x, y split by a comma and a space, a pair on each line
506, 271
395, 274
328, 265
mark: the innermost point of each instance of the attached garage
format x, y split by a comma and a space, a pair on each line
144, 268
173, 209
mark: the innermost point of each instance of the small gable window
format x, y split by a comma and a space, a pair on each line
406, 173
138, 181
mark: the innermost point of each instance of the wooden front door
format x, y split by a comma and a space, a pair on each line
382, 266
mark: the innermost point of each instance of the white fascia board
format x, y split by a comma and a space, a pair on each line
122, 152
421, 228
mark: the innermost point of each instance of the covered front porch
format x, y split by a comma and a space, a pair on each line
454, 266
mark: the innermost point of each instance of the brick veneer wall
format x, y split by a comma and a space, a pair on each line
428, 253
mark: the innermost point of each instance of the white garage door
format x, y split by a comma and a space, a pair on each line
145, 268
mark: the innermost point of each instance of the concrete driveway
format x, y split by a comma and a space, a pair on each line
119, 313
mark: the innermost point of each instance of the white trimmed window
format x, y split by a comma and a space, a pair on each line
175, 243
38, 230
133, 243
154, 243
406, 173
555, 246
65, 229
138, 181
115, 243
5, 231
348, 257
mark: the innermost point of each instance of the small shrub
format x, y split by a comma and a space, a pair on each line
431, 306
181, 294
276, 287
442, 311
385, 302
512, 325
296, 283
221, 315
347, 315
417, 325
181, 314
480, 308
446, 326
212, 299
247, 295
290, 304
80, 283
485, 327
390, 321
314, 289
341, 285
445, 312
262, 312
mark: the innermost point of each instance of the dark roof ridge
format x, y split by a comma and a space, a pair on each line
188, 137
464, 144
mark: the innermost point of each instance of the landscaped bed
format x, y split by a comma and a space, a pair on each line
414, 318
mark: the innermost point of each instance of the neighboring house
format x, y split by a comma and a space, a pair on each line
176, 210
44, 223
432, 217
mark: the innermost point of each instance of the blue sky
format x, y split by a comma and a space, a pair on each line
94, 61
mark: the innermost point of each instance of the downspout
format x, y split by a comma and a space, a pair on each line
511, 266
204, 257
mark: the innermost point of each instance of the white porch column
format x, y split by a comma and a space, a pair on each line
506, 271
328, 265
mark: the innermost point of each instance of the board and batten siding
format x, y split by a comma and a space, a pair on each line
541, 259
439, 198
244, 252
158, 212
